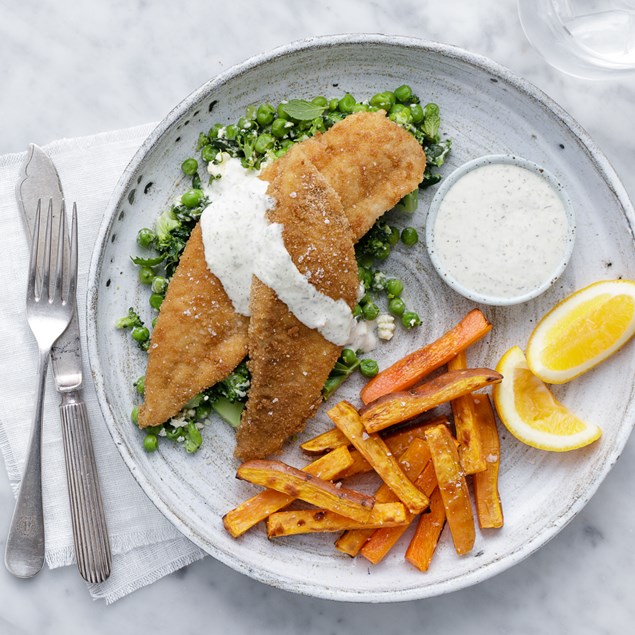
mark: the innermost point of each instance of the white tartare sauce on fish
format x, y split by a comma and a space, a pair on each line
239, 243
501, 230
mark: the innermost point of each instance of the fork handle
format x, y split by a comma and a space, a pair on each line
90, 533
24, 553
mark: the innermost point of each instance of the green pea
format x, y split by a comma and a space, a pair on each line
401, 117
154, 429
265, 114
391, 98
398, 108
403, 93
382, 252
279, 128
154, 321
159, 284
357, 311
192, 198
156, 300
150, 442
208, 153
393, 239
410, 319
204, 410
348, 356
134, 415
251, 111
346, 103
370, 310
146, 237
360, 108
368, 367
286, 144
409, 236
417, 113
381, 101
146, 275
321, 101
213, 131
393, 288
397, 306
244, 123
140, 385
280, 113
365, 276
140, 334
263, 143
231, 132
333, 104
189, 166
366, 298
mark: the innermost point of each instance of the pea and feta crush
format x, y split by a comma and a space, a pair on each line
263, 134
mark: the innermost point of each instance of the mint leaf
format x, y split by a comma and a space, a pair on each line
148, 262
302, 110
431, 121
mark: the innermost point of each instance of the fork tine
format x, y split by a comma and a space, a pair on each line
35, 241
46, 263
61, 245
72, 284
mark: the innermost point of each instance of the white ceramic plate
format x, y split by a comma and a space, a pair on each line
485, 109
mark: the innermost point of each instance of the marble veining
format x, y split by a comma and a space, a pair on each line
68, 69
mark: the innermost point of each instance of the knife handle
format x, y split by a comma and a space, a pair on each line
92, 545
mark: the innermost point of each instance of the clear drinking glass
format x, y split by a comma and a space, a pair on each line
593, 39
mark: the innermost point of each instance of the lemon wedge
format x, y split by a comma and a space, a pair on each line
530, 411
584, 329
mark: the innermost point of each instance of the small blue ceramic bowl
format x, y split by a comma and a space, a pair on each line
441, 266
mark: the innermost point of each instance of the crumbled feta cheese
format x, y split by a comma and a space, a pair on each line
385, 326
216, 169
379, 280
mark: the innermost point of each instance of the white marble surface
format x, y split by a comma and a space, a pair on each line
68, 70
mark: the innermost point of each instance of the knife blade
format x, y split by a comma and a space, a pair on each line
39, 180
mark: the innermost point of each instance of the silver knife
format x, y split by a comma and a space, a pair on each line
39, 180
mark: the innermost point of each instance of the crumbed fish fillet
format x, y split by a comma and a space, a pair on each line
290, 362
197, 341
368, 160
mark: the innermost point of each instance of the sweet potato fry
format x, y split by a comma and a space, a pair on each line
395, 408
289, 480
304, 521
488, 503
335, 438
257, 508
412, 461
374, 450
397, 442
384, 539
466, 423
423, 544
453, 487
413, 367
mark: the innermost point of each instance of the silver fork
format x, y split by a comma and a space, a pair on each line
49, 312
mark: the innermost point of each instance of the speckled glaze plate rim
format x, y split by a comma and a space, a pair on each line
250, 568
433, 211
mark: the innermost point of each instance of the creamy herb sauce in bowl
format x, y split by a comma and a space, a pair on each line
500, 230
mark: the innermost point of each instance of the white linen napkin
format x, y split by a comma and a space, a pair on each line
145, 545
